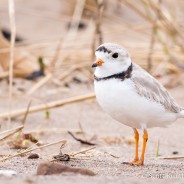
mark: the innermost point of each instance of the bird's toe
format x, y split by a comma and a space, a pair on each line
137, 163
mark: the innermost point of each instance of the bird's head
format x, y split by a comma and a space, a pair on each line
111, 59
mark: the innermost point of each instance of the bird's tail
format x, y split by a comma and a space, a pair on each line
181, 114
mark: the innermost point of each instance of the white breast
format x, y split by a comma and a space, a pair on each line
120, 100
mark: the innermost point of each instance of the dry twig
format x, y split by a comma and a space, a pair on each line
10, 130
81, 140
172, 157
153, 34
12, 43
50, 105
84, 151
39, 84
98, 39
30, 150
15, 130
26, 113
74, 154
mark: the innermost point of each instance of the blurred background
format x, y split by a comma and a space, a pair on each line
56, 40
66, 33
54, 51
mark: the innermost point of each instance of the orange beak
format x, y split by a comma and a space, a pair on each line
98, 62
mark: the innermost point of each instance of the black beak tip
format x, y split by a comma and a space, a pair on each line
94, 65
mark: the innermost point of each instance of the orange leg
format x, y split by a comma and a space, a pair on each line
136, 158
141, 160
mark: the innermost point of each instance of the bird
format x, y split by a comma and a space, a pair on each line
132, 96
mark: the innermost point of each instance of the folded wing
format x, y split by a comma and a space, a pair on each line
148, 87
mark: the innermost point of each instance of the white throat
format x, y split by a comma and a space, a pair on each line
111, 69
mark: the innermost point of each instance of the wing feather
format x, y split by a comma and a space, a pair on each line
148, 87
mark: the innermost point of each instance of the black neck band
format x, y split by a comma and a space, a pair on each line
123, 75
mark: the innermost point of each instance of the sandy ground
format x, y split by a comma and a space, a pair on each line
95, 123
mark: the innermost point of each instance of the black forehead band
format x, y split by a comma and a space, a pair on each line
103, 49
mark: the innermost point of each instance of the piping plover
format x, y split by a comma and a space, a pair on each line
130, 95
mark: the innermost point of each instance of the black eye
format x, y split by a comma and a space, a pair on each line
115, 55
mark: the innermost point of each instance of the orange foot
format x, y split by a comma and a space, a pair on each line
133, 162
137, 163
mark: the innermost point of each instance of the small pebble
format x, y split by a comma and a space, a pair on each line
175, 152
33, 156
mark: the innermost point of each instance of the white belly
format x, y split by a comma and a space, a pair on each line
120, 100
